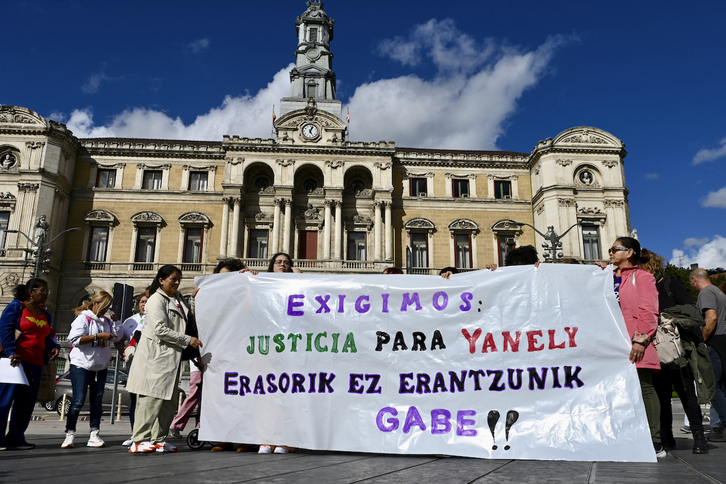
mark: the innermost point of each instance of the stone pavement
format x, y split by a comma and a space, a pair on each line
48, 463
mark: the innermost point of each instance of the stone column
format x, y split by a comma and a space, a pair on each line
377, 229
338, 228
327, 231
225, 228
288, 226
276, 227
235, 225
388, 232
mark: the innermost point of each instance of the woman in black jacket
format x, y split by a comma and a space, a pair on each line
672, 377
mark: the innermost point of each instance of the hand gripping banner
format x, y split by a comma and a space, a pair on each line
517, 363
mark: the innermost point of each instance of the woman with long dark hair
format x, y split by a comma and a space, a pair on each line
154, 376
280, 262
638, 298
91, 335
28, 340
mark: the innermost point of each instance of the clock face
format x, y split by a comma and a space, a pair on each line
310, 131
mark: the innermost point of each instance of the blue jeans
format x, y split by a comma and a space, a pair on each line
81, 381
21, 399
718, 403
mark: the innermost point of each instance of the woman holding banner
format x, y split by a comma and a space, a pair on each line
638, 297
154, 376
279, 262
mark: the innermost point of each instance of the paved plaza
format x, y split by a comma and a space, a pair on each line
48, 463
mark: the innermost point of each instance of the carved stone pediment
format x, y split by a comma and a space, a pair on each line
194, 218
310, 213
18, 115
100, 216
585, 135
267, 191
147, 217
589, 211
506, 226
419, 223
463, 224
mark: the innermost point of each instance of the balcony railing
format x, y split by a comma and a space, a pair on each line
145, 269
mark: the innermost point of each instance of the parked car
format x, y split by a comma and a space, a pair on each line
63, 386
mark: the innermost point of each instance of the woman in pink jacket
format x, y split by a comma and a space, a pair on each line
638, 298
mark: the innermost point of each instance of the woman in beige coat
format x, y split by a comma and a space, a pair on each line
154, 376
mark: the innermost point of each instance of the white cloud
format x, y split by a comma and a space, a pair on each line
651, 176
705, 154
94, 82
464, 106
708, 256
248, 115
198, 45
692, 241
715, 199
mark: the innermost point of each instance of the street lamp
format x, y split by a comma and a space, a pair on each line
552, 243
42, 255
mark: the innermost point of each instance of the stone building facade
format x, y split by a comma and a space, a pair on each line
334, 205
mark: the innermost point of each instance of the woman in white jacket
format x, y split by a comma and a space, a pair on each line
91, 336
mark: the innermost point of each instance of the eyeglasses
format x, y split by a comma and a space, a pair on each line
44, 291
282, 263
612, 250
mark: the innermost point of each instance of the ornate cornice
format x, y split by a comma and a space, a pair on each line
147, 217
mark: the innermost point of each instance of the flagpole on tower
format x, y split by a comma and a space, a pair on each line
347, 120
274, 118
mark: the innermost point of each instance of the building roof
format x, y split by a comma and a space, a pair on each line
461, 152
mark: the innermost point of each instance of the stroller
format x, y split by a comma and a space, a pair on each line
193, 437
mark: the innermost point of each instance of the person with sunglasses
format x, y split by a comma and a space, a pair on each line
280, 262
91, 337
638, 297
29, 342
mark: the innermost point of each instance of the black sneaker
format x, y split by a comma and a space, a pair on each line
659, 450
23, 446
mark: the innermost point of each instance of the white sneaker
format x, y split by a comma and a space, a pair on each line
265, 449
164, 447
128, 442
142, 448
282, 449
95, 441
68, 442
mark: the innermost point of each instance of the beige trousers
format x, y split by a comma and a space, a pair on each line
153, 417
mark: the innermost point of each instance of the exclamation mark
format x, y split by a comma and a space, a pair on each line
512, 417
492, 420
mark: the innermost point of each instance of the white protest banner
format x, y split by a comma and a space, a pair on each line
517, 363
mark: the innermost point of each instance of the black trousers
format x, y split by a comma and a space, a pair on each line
681, 380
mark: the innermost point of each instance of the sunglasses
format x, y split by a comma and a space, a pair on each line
612, 250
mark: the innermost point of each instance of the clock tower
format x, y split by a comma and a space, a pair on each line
313, 76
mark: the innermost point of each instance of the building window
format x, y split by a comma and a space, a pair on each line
460, 188
418, 187
313, 34
4, 220
145, 243
198, 180
502, 189
258, 244
357, 186
310, 185
106, 178
99, 244
506, 243
193, 245
463, 251
312, 90
152, 180
262, 182
419, 249
591, 242
356, 246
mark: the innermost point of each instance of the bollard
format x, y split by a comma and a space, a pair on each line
118, 410
63, 407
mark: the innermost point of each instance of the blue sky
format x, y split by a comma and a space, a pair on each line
457, 74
